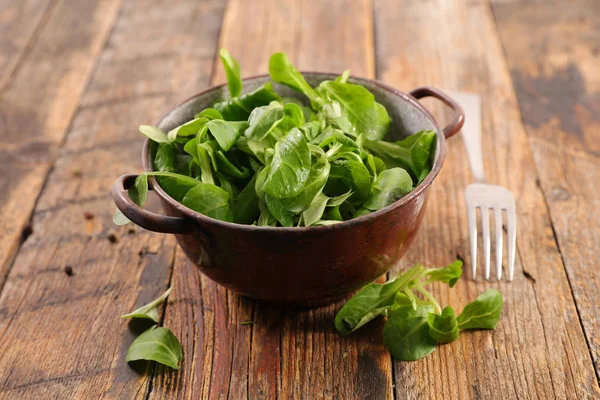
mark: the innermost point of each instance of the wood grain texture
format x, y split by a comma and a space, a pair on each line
79, 85
553, 52
21, 22
39, 101
538, 349
288, 354
61, 335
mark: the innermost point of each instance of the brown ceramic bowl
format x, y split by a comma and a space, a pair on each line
307, 264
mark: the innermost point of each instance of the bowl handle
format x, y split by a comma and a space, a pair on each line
459, 114
144, 218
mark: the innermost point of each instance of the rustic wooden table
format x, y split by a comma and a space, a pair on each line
77, 77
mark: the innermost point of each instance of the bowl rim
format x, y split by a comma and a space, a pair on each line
412, 195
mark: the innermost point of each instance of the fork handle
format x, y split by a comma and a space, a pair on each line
459, 115
471, 132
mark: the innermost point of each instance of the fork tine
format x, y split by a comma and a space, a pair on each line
485, 230
511, 228
472, 217
498, 231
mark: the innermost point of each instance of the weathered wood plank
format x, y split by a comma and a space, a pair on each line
538, 349
552, 51
38, 103
285, 354
19, 21
61, 335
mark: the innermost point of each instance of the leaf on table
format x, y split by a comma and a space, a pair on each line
372, 301
449, 274
156, 344
483, 313
443, 328
406, 332
150, 310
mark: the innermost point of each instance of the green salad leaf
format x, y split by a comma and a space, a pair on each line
354, 109
406, 333
258, 158
239, 108
209, 200
415, 320
414, 153
138, 193
166, 158
245, 207
263, 120
443, 328
154, 133
372, 301
449, 274
150, 310
190, 128
233, 72
156, 344
290, 167
483, 313
283, 71
391, 185
226, 133
315, 210
348, 174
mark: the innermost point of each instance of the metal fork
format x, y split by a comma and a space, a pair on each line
486, 197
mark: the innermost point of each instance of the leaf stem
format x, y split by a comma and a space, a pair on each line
411, 296
429, 297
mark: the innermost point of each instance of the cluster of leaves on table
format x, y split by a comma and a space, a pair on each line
415, 325
258, 158
154, 344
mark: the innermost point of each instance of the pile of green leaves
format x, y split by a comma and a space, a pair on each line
258, 158
154, 344
416, 323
